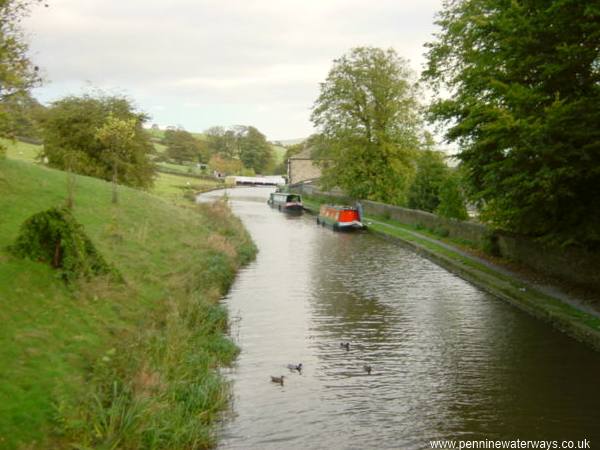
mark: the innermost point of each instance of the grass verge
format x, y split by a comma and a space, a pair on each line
115, 365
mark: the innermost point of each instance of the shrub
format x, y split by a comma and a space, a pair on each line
55, 237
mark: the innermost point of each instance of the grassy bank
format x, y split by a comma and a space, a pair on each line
115, 365
171, 186
491, 276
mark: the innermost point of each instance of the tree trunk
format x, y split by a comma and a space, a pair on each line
57, 256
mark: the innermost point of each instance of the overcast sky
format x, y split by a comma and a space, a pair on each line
199, 63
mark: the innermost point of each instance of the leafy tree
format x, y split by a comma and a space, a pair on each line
243, 143
367, 112
451, 198
182, 146
117, 136
524, 105
23, 116
431, 173
71, 140
17, 73
255, 151
222, 142
225, 166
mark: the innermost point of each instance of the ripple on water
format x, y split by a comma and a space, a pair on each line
449, 361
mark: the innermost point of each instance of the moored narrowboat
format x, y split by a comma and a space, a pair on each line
286, 202
340, 217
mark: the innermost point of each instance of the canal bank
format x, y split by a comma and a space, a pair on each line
575, 315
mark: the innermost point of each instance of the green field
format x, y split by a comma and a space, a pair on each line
103, 364
175, 187
278, 153
20, 150
172, 187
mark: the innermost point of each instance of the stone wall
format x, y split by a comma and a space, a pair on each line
468, 231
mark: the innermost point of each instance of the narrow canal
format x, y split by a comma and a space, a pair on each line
448, 360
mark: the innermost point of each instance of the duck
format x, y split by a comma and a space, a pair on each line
368, 369
297, 367
278, 380
345, 345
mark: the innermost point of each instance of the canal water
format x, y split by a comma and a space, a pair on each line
449, 361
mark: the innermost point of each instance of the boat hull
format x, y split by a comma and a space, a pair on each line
288, 203
340, 226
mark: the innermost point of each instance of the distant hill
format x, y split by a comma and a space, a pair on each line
289, 141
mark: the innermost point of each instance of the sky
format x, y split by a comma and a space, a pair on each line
201, 63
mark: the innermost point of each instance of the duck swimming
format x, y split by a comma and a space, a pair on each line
368, 369
297, 367
278, 380
345, 345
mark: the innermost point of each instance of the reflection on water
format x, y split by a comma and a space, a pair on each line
449, 361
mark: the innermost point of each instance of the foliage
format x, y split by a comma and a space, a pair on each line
54, 237
367, 113
431, 173
255, 151
17, 73
222, 142
182, 147
225, 166
117, 136
21, 116
524, 105
243, 143
451, 197
71, 139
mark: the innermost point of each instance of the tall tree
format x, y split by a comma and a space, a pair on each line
71, 141
368, 113
182, 146
223, 142
255, 151
524, 105
117, 136
432, 172
17, 73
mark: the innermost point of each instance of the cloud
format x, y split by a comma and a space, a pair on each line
263, 58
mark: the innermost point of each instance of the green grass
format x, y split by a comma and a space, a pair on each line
20, 150
278, 153
176, 187
107, 365
160, 148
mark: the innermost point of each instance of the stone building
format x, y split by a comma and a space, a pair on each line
302, 167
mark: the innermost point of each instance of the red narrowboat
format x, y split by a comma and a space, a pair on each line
340, 217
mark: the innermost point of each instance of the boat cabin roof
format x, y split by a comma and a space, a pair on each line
340, 207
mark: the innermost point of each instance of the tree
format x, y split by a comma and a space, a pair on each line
368, 113
17, 73
225, 166
23, 115
71, 140
117, 136
524, 106
243, 143
182, 146
222, 142
255, 151
451, 197
431, 173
